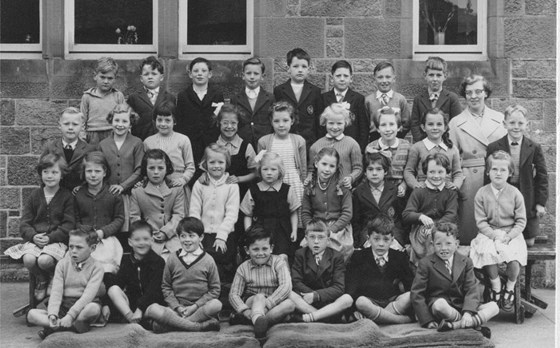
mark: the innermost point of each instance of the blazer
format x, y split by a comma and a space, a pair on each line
308, 109
265, 143
365, 278
162, 208
325, 281
447, 102
195, 118
73, 178
254, 123
359, 129
141, 104
533, 176
365, 208
433, 281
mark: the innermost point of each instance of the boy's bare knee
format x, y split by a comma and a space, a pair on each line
91, 310
530, 242
34, 315
29, 261
346, 300
362, 301
288, 305
113, 291
214, 306
46, 262
439, 306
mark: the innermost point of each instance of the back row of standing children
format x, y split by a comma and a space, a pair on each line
292, 189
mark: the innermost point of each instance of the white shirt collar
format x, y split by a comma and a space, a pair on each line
155, 90
72, 144
382, 145
266, 187
196, 253
430, 186
384, 256
496, 191
430, 144
389, 94
437, 92
343, 93
337, 138
254, 92
378, 188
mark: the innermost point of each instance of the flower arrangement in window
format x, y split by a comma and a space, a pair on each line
436, 21
129, 37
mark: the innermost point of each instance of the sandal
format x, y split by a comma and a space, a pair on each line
508, 300
495, 296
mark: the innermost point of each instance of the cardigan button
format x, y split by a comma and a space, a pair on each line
475, 171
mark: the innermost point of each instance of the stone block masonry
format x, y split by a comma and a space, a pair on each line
521, 66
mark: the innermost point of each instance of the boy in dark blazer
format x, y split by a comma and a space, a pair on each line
71, 123
445, 289
366, 206
530, 174
197, 110
145, 100
434, 96
379, 278
303, 95
341, 75
318, 277
254, 103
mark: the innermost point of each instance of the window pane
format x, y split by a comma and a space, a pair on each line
448, 22
217, 22
113, 22
19, 21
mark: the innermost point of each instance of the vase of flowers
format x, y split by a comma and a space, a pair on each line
128, 37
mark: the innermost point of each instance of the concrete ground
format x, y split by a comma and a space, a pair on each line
538, 331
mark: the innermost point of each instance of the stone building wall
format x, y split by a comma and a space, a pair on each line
521, 67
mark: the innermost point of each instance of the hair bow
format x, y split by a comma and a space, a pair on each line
218, 107
385, 153
259, 156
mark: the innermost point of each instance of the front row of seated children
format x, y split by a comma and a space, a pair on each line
379, 286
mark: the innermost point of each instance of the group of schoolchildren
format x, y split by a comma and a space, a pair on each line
209, 196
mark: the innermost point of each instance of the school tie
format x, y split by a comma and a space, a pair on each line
153, 96
68, 147
384, 99
339, 97
380, 262
448, 266
515, 143
317, 259
433, 98
251, 93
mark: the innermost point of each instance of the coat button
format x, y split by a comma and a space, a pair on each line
473, 151
475, 171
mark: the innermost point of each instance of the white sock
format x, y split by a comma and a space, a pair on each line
510, 285
496, 284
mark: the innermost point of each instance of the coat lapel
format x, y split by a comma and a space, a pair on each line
387, 194
310, 259
425, 99
144, 97
154, 191
489, 124
366, 194
325, 262
526, 150
78, 151
289, 92
261, 101
243, 100
457, 267
305, 92
330, 97
474, 130
441, 99
439, 266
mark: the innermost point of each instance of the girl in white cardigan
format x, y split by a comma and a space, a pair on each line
216, 204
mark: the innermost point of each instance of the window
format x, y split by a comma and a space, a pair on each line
20, 28
111, 27
221, 28
452, 29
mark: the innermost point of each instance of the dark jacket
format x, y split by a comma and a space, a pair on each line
141, 104
254, 123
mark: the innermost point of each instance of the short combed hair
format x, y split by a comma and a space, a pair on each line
255, 233
105, 65
441, 159
298, 53
269, 158
72, 111
123, 108
87, 232
436, 63
217, 148
317, 225
377, 157
190, 224
153, 63
282, 106
515, 108
50, 159
140, 225
382, 65
387, 110
98, 158
167, 108
200, 60
341, 64
336, 109
382, 224
254, 61
156, 154
449, 228
497, 156
469, 80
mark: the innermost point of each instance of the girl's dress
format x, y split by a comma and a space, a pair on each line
332, 203
498, 213
125, 164
53, 216
103, 211
271, 210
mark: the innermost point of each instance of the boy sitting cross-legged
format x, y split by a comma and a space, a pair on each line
76, 287
318, 277
261, 287
445, 289
190, 285
138, 282
379, 278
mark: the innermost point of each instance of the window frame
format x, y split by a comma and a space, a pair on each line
218, 52
26, 50
478, 52
94, 51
